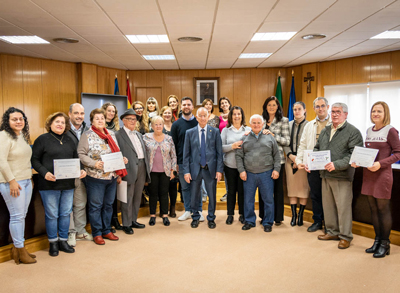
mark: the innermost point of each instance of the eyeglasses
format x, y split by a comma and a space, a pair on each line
336, 112
130, 119
138, 109
320, 107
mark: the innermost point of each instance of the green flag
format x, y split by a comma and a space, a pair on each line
278, 93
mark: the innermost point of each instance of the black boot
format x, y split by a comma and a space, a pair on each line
383, 249
53, 249
301, 212
64, 246
116, 224
374, 246
294, 214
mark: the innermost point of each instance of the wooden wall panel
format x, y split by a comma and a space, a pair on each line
154, 78
136, 79
344, 71
51, 76
33, 95
13, 92
171, 86
207, 73
327, 76
241, 89
68, 86
225, 83
308, 98
381, 67
103, 81
395, 61
187, 83
1, 89
361, 69
260, 90
141, 95
87, 78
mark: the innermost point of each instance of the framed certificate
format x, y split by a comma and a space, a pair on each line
67, 169
113, 162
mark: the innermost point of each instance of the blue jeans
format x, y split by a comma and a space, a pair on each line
186, 192
57, 207
100, 194
18, 207
265, 185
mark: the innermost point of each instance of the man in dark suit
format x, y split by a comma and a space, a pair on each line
132, 147
202, 160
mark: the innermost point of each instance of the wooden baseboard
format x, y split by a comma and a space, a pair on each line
41, 242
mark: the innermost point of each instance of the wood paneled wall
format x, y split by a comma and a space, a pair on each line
247, 88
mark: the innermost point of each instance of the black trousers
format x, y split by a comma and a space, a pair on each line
315, 182
278, 198
173, 192
235, 185
158, 190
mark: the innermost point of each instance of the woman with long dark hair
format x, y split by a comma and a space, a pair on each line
15, 177
142, 125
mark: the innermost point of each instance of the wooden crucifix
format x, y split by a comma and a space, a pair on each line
309, 79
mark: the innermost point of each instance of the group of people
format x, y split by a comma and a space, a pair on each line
161, 147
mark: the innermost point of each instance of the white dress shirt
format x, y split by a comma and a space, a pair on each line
136, 142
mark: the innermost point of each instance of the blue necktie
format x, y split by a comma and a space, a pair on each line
203, 160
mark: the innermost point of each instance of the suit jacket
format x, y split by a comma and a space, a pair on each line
128, 151
191, 152
72, 134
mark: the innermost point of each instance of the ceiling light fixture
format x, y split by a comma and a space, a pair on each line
388, 35
66, 40
189, 39
159, 57
280, 36
255, 55
23, 40
145, 39
313, 37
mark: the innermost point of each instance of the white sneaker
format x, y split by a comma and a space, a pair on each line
223, 198
201, 217
71, 239
205, 198
185, 216
84, 236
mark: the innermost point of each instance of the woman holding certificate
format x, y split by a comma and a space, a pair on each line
15, 177
378, 179
101, 186
161, 150
57, 194
297, 183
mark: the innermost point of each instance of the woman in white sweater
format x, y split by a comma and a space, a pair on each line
15, 177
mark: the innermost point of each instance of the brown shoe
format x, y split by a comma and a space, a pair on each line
99, 240
110, 236
23, 256
328, 237
343, 244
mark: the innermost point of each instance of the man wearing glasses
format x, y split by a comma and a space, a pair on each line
308, 140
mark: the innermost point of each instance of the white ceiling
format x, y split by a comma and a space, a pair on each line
226, 27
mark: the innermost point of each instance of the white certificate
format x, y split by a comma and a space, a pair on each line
122, 191
318, 160
306, 157
113, 162
67, 168
363, 157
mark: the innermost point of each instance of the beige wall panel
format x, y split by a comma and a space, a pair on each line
327, 76
68, 85
344, 71
308, 98
88, 73
241, 89
381, 67
52, 101
361, 69
395, 60
13, 92
137, 79
187, 84
154, 78
172, 85
260, 90
33, 95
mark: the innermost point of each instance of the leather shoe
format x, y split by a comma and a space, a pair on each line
343, 244
194, 224
115, 223
166, 221
328, 237
113, 230
211, 224
53, 250
137, 225
278, 223
152, 221
247, 226
99, 240
110, 236
64, 246
241, 219
267, 228
127, 230
229, 220
315, 227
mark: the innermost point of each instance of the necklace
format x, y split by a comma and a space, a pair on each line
57, 138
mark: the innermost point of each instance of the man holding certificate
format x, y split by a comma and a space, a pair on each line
340, 138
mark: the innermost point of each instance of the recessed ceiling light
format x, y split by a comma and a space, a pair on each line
145, 39
388, 35
313, 37
280, 36
66, 40
159, 57
190, 39
23, 40
255, 55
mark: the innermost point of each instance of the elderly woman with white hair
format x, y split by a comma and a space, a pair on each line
161, 150
258, 173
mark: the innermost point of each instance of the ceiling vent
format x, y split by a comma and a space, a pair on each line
313, 36
190, 39
66, 40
